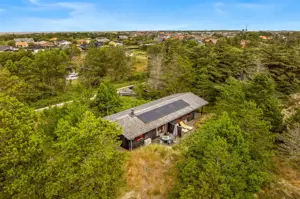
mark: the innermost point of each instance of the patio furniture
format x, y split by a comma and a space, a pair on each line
166, 139
185, 126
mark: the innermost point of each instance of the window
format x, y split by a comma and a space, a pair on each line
161, 129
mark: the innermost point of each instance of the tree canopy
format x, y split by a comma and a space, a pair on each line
218, 163
78, 158
110, 62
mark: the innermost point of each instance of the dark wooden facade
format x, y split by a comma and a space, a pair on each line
154, 133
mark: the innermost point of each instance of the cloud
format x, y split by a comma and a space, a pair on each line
76, 16
219, 8
2, 10
248, 5
34, 1
218, 4
254, 5
83, 16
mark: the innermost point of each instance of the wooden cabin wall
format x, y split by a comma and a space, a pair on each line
125, 142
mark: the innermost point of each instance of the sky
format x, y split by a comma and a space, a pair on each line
121, 15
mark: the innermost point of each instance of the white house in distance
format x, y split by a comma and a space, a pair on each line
63, 43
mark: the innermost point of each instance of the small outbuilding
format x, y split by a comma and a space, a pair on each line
146, 122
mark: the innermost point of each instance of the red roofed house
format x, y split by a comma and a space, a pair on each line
21, 44
54, 39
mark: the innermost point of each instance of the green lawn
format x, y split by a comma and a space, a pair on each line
139, 53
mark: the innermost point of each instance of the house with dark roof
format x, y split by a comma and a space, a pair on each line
149, 121
158, 39
63, 43
6, 48
28, 40
36, 49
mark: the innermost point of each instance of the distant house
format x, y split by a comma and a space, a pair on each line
99, 44
112, 43
198, 37
84, 46
21, 44
198, 40
6, 48
83, 41
63, 43
39, 43
213, 41
54, 40
28, 40
179, 37
206, 41
44, 43
265, 37
149, 121
36, 49
48, 44
103, 40
158, 39
164, 35
123, 37
91, 45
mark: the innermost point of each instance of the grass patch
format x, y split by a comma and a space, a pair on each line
151, 172
139, 53
141, 62
285, 183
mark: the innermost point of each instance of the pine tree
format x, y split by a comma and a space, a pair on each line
20, 149
84, 162
218, 163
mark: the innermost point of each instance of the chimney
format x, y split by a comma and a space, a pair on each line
132, 112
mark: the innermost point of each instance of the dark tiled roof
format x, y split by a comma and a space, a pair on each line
5, 48
133, 126
30, 40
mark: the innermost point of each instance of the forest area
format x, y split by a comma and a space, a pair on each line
246, 147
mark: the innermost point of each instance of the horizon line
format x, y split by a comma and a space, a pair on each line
111, 31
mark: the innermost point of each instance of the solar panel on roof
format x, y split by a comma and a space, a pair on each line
162, 111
